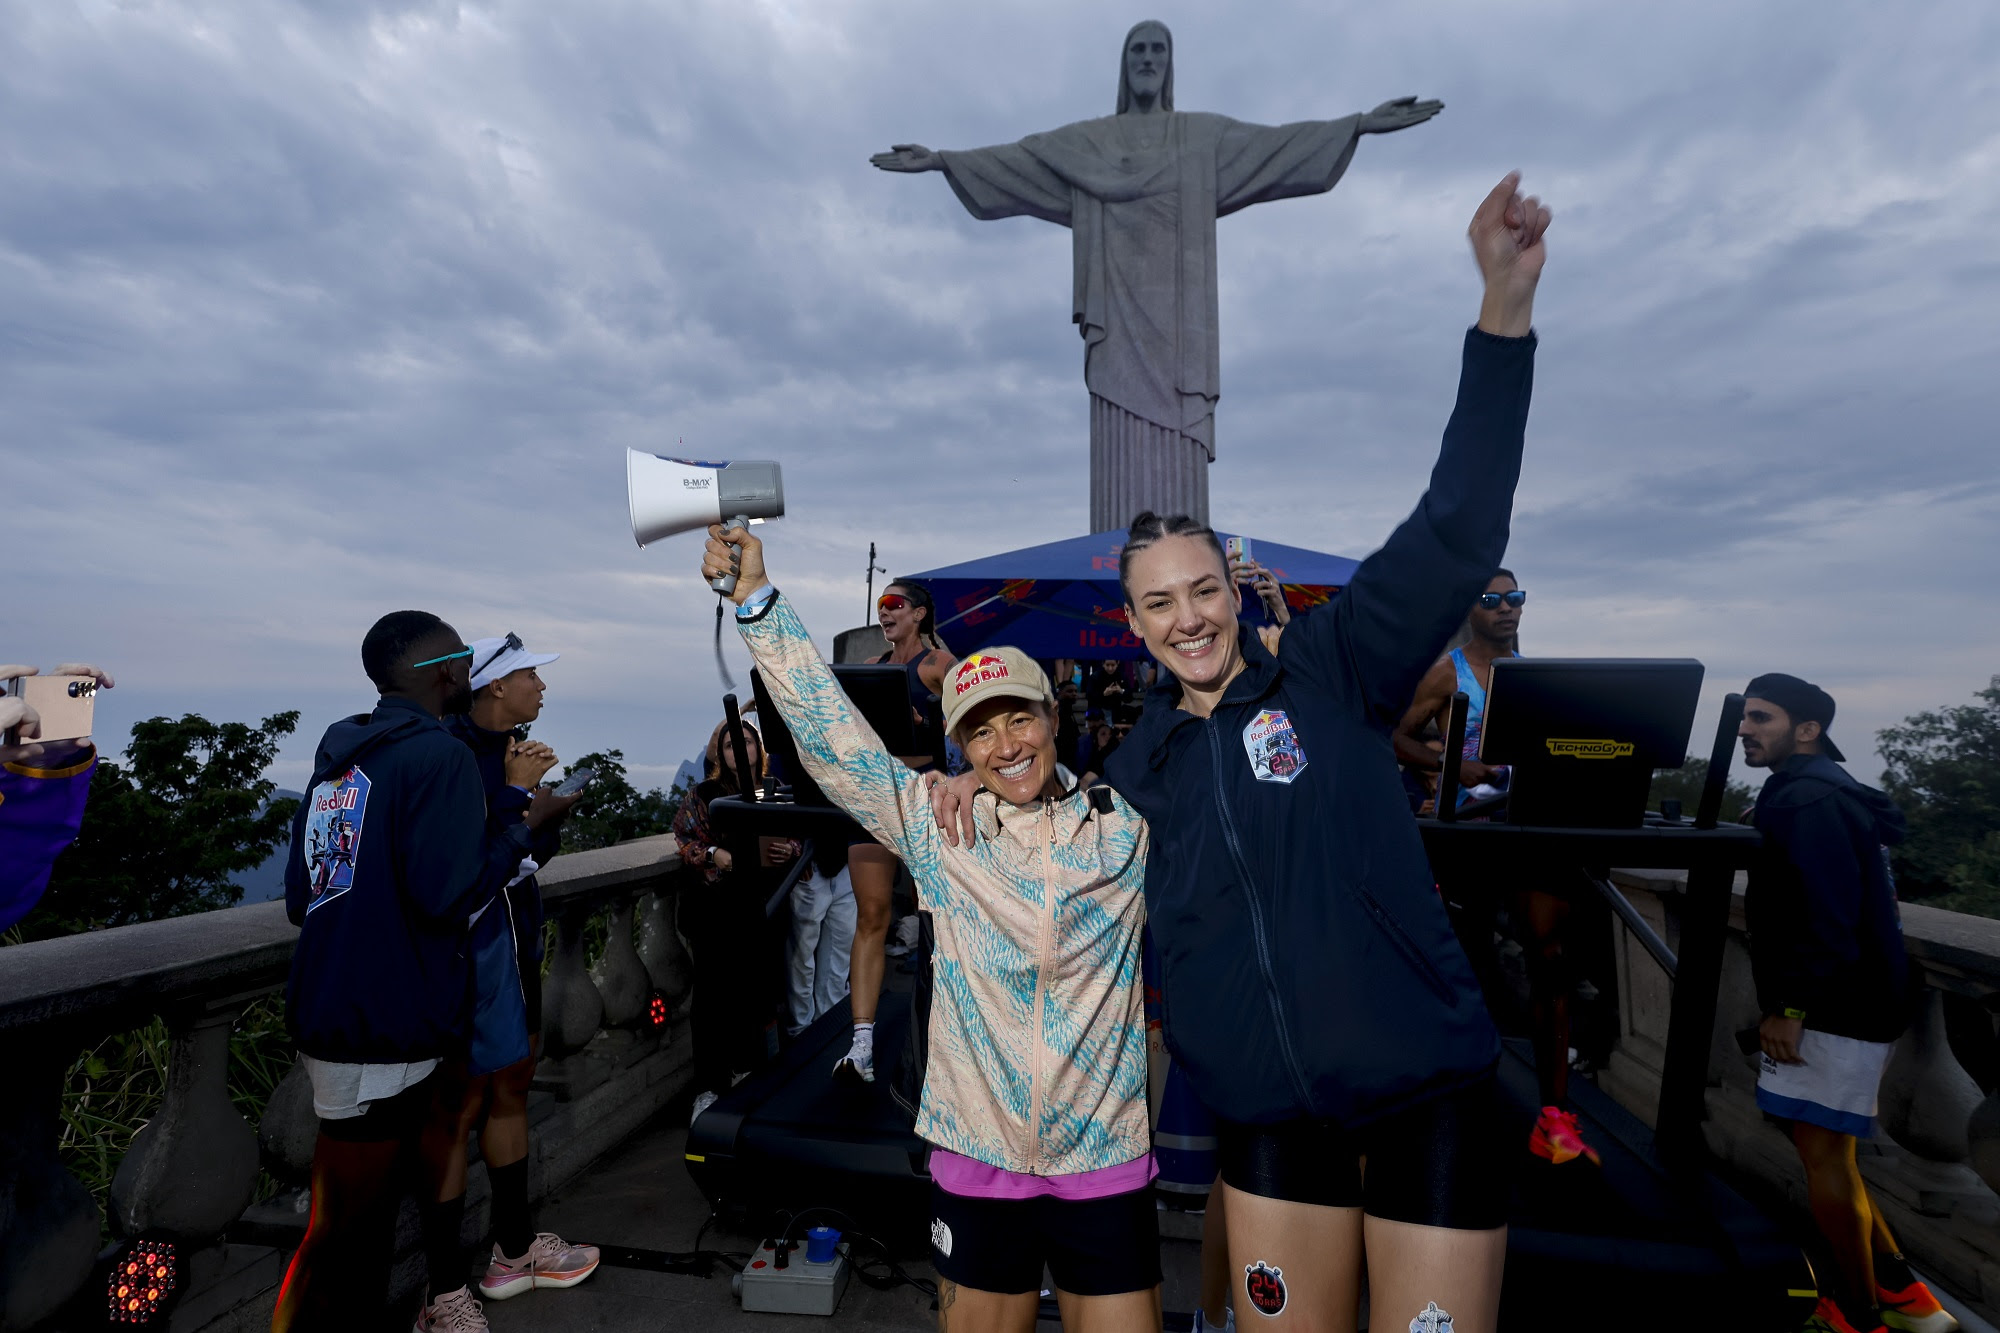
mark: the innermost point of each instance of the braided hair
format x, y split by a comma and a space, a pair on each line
1150, 527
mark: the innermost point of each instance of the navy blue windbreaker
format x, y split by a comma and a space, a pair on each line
391, 854
1308, 968
506, 803
1825, 932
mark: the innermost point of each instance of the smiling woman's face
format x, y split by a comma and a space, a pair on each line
1179, 597
1011, 745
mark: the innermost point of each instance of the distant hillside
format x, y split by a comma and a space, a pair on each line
267, 880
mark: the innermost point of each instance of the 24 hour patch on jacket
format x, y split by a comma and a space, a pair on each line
1274, 749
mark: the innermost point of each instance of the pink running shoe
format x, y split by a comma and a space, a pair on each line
1557, 1138
453, 1312
550, 1262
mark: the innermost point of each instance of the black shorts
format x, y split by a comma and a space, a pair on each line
1443, 1163
1092, 1247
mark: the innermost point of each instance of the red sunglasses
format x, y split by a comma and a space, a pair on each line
893, 601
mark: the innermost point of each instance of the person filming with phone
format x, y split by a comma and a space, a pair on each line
45, 771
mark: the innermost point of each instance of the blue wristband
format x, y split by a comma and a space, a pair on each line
755, 603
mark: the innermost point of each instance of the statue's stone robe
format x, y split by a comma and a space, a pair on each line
1140, 195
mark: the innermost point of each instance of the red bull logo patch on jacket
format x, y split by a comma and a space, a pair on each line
1274, 749
333, 834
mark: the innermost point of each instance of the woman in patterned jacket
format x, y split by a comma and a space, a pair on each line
1034, 1098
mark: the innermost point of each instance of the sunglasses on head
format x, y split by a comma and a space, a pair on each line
1492, 601
512, 644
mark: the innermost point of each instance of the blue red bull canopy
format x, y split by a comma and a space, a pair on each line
1062, 599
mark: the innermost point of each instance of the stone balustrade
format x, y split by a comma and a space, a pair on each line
1935, 1167
192, 1171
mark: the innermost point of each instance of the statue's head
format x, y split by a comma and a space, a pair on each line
1146, 67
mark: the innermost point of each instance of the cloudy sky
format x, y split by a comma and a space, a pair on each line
311, 311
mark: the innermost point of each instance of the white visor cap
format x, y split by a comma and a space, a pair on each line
494, 658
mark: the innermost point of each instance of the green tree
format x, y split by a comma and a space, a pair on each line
1943, 768
1684, 784
165, 830
613, 810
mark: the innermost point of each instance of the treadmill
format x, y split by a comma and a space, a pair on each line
1654, 1238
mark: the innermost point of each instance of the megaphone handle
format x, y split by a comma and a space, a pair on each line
726, 583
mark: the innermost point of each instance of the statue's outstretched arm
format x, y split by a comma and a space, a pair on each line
907, 157
1398, 113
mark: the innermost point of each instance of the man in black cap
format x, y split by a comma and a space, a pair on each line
1826, 946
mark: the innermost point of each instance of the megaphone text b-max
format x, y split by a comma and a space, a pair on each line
670, 495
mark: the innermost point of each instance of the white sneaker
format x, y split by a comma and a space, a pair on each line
1227, 1326
453, 1312
701, 1103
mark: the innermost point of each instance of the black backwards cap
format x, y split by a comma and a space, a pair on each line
1803, 700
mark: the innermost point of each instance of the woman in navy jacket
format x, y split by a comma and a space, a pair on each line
1313, 990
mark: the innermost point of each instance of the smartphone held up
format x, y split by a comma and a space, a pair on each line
65, 706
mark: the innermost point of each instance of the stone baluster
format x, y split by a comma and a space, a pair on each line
619, 975
572, 1010
1927, 1102
289, 1128
193, 1169
1927, 1097
48, 1224
661, 949
1982, 1133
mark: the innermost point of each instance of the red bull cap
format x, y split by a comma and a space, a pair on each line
992, 673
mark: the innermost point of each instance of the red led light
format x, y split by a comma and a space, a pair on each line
142, 1284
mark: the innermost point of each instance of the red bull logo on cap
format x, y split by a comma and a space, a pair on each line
976, 670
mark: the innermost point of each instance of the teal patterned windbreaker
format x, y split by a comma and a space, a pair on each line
1037, 1030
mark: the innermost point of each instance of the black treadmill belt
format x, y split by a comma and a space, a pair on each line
800, 1089
1627, 1197
1580, 1232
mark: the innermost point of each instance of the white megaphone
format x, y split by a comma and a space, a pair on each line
670, 495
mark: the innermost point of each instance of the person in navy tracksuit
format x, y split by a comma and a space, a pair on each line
391, 855
1313, 990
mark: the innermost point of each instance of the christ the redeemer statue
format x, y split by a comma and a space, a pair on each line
1140, 192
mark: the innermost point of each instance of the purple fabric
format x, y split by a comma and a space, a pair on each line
976, 1180
40, 809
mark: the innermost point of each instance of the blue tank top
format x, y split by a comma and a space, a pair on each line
1475, 710
1475, 696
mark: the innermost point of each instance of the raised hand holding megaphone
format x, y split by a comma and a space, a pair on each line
737, 554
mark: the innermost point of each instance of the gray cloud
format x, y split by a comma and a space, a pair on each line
312, 311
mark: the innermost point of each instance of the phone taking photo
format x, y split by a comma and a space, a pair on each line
66, 706
576, 782
1237, 548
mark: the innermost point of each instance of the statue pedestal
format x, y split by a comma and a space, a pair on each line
1136, 465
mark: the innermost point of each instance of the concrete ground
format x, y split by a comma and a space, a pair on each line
640, 1197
